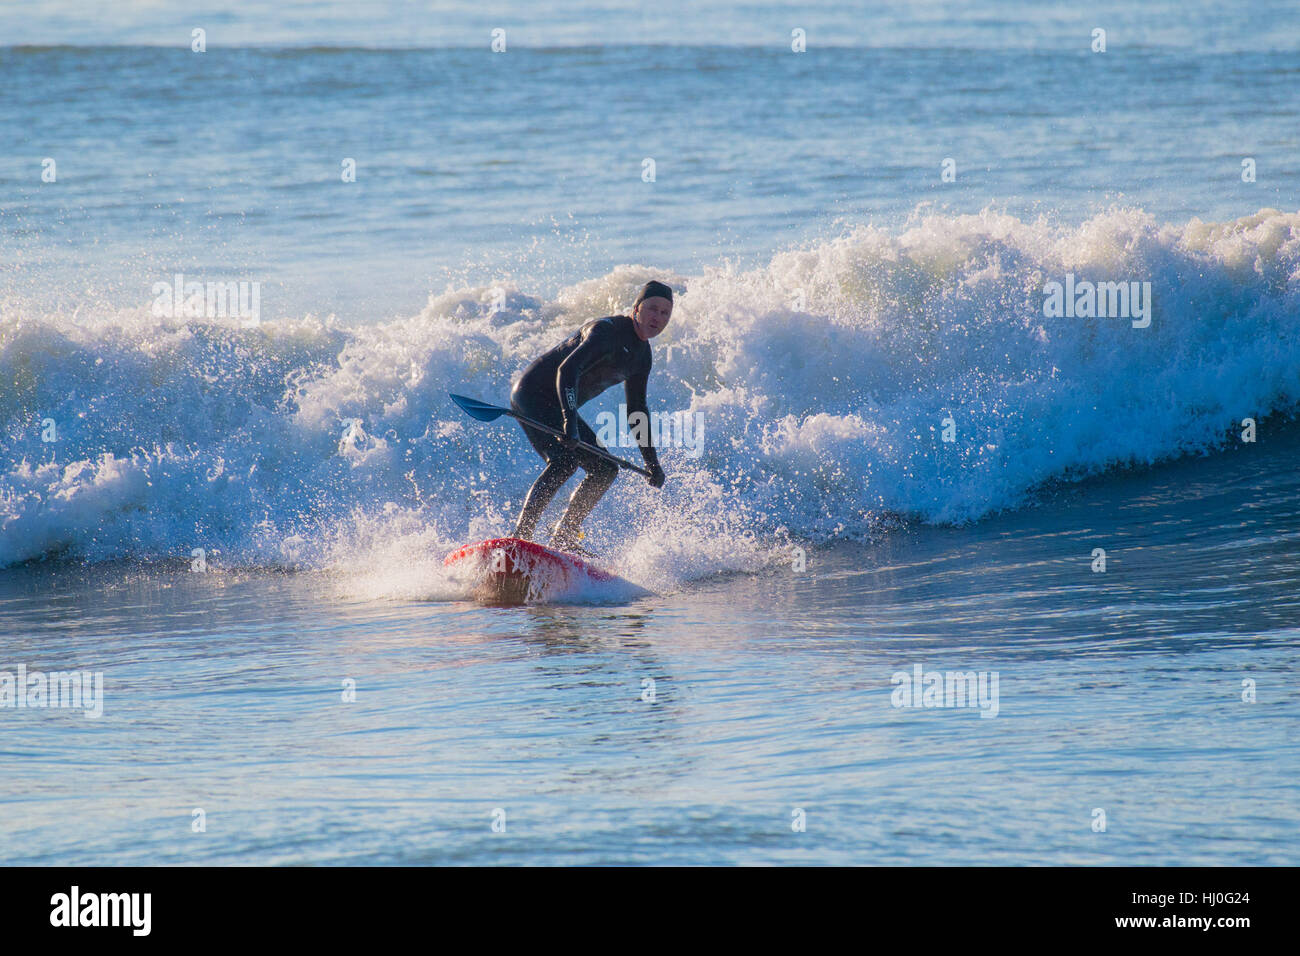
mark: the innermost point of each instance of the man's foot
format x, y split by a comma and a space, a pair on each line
565, 540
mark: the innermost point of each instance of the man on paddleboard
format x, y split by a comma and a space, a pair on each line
600, 354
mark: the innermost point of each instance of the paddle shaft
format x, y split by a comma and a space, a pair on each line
621, 462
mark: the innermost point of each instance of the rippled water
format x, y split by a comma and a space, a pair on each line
772, 692
527, 167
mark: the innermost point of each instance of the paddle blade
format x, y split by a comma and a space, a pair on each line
476, 409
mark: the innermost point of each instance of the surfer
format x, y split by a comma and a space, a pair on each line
600, 354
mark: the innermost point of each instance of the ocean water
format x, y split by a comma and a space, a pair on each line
906, 460
525, 169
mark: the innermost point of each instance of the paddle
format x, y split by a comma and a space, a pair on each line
490, 413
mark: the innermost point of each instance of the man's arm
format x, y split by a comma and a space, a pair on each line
594, 346
635, 388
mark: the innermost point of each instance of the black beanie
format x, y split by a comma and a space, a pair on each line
654, 290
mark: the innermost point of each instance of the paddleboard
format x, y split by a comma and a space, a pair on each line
515, 571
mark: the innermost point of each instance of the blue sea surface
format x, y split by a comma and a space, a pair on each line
475, 168
1120, 692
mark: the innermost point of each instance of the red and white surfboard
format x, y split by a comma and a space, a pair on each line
514, 571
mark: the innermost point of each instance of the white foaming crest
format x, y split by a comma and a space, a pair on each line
824, 381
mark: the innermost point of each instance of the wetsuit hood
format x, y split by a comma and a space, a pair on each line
654, 290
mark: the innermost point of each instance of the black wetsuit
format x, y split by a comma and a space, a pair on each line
600, 354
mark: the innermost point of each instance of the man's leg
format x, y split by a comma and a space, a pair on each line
558, 470
560, 461
600, 474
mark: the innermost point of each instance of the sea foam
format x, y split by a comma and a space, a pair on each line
826, 381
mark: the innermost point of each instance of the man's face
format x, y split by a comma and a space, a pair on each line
651, 317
